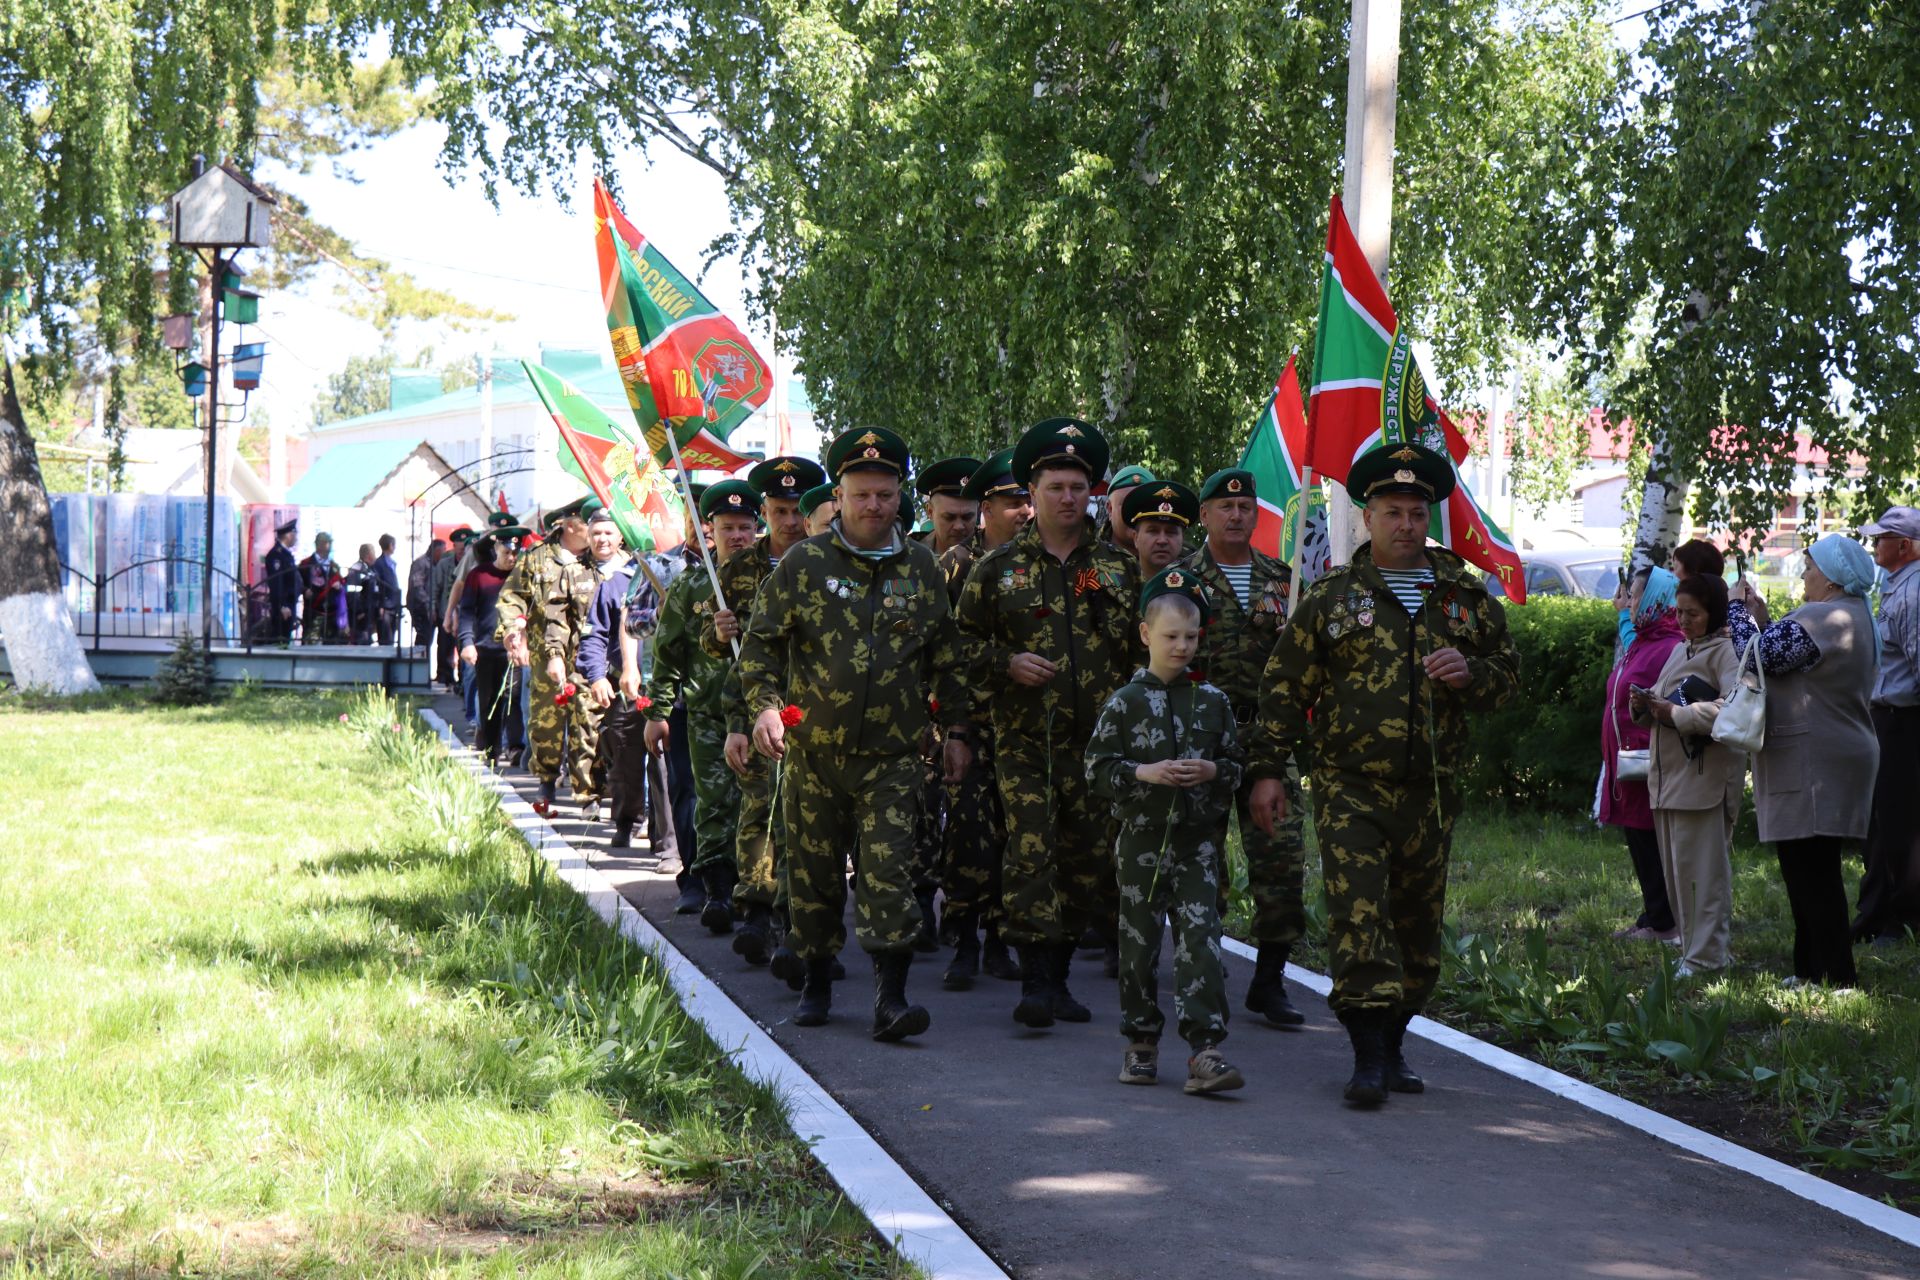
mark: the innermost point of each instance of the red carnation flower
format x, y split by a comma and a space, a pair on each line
791, 715
1196, 675
1043, 612
565, 695
933, 705
642, 702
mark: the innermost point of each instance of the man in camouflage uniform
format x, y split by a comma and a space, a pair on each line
1050, 619
1158, 515
1113, 528
975, 839
853, 630
1234, 653
569, 618
683, 671
1379, 671
817, 508
780, 482
1165, 756
534, 583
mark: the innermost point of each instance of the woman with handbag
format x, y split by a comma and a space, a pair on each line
1813, 781
1651, 636
1692, 780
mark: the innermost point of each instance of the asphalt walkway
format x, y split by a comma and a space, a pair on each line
1061, 1172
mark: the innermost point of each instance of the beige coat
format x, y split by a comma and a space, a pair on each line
1814, 776
1702, 782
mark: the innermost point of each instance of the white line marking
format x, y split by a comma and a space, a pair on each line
876, 1184
1865, 1210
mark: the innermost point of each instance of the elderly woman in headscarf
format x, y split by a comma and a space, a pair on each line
1813, 780
1649, 633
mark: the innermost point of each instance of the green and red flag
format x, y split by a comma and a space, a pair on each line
1275, 454
614, 462
1369, 389
685, 365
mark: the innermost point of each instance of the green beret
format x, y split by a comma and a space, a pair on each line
1228, 482
461, 536
1400, 468
994, 477
867, 449
1061, 440
1176, 580
731, 498
698, 487
496, 520
810, 500
948, 476
1160, 500
592, 507
1129, 475
786, 477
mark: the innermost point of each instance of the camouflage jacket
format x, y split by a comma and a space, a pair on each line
740, 580
1346, 679
683, 671
1147, 721
1238, 641
857, 643
1080, 615
534, 577
957, 561
566, 614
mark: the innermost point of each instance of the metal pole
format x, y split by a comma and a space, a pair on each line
213, 448
1373, 73
699, 536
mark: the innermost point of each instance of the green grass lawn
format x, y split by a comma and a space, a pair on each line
1826, 1079
280, 995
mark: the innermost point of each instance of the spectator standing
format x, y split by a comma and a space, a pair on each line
499, 724
1813, 780
283, 583
1890, 888
386, 573
362, 587
1693, 780
420, 598
320, 585
1649, 639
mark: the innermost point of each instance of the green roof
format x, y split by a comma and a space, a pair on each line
347, 473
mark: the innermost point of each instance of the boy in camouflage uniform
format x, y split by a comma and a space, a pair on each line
1165, 756
1240, 637
683, 670
1379, 671
853, 628
1050, 619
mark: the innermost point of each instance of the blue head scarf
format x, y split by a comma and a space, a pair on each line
1657, 598
1848, 567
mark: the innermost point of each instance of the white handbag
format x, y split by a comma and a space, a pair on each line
1742, 722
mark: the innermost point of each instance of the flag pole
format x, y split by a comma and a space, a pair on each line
699, 536
1299, 523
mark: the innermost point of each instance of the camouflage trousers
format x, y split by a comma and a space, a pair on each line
586, 771
1175, 879
1383, 851
716, 794
546, 725
1057, 875
975, 838
1276, 869
759, 840
928, 842
835, 803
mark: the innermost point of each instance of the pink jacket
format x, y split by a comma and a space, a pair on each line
1625, 804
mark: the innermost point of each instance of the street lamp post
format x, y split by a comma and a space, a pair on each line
222, 211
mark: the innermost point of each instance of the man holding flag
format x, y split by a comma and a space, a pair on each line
1246, 595
1381, 667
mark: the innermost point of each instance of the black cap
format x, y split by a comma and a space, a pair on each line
1160, 500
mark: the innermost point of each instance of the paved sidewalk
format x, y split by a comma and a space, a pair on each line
1061, 1172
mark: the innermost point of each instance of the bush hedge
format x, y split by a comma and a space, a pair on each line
1542, 750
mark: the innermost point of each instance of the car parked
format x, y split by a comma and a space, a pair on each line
1571, 571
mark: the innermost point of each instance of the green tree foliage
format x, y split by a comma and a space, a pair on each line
1753, 192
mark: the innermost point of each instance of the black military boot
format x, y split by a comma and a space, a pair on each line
1400, 1077
1065, 1007
995, 960
1267, 993
927, 940
893, 1018
816, 993
717, 915
622, 837
755, 934
693, 894
1366, 1029
544, 805
1110, 960
1035, 1009
966, 952
785, 963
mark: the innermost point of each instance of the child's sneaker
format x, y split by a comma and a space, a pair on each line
1209, 1072
1141, 1065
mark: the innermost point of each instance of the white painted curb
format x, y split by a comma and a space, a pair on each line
896, 1205
1865, 1210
